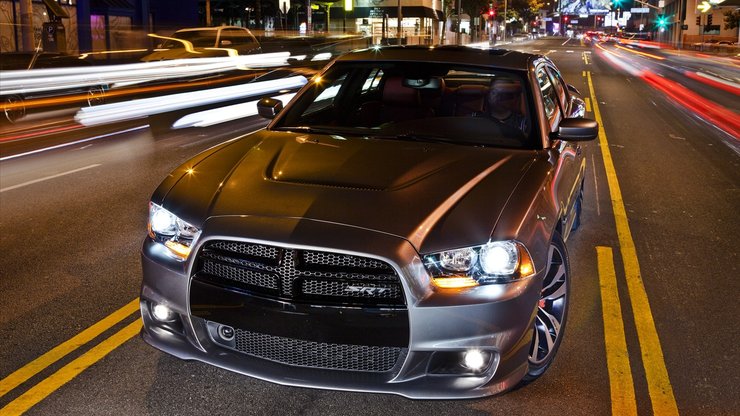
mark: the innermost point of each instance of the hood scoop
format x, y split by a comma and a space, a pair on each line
357, 164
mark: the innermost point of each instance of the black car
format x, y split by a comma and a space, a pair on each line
399, 227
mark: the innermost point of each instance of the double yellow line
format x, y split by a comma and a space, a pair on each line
47, 386
620, 375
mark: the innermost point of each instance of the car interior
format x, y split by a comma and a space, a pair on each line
458, 104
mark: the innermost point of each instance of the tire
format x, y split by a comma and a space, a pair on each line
95, 96
13, 109
552, 311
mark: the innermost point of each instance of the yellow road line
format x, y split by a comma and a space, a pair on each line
70, 371
588, 103
29, 370
617, 357
659, 385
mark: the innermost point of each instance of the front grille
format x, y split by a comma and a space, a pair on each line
300, 275
317, 354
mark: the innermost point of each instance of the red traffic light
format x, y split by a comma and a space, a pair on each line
492, 12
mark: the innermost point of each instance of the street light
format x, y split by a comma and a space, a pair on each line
249, 16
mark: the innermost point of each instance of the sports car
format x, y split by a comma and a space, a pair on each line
399, 226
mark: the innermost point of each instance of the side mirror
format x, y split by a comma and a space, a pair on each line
577, 130
269, 107
573, 89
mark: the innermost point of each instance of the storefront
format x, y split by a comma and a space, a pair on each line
420, 20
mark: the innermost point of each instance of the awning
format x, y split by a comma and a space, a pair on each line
392, 12
56, 9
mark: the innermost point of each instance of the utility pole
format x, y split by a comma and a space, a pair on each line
208, 12
458, 36
400, 18
27, 25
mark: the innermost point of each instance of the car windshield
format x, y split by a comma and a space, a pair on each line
199, 39
415, 101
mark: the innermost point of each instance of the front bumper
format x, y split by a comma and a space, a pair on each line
496, 319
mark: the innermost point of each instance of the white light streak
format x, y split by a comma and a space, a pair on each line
129, 110
38, 80
223, 114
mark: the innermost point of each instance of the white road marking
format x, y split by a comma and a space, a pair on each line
20, 185
72, 143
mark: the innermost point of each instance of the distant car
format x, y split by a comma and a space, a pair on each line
202, 42
714, 45
399, 227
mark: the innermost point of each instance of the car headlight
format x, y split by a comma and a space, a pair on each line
493, 262
166, 228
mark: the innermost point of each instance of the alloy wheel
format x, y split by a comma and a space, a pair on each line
551, 309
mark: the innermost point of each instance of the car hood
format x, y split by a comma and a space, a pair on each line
434, 195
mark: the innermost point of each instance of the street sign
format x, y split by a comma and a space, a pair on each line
640, 10
684, 27
704, 7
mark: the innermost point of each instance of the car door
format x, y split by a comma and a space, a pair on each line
569, 163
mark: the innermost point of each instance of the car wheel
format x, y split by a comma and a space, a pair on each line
95, 96
552, 311
13, 108
578, 207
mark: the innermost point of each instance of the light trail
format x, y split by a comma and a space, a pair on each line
129, 110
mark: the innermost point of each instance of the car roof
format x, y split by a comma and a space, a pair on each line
210, 28
498, 58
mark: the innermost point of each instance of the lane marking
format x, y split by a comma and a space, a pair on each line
596, 186
617, 357
46, 178
566, 41
52, 383
587, 101
659, 385
102, 136
34, 367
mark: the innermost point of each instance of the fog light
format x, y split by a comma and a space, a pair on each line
226, 332
162, 313
474, 360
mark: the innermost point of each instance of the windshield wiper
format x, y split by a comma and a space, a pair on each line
425, 138
321, 130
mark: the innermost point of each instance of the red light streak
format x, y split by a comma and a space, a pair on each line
718, 115
40, 133
716, 84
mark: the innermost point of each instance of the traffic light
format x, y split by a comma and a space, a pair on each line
709, 19
698, 20
662, 21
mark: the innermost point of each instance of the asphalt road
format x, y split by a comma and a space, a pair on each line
72, 221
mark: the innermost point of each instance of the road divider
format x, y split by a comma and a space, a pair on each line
621, 386
43, 389
656, 374
60, 351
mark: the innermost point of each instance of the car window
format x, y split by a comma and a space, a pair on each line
235, 37
199, 38
560, 87
549, 97
446, 102
326, 98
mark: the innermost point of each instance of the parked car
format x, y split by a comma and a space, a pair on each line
202, 42
399, 227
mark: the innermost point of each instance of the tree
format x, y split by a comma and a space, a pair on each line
732, 18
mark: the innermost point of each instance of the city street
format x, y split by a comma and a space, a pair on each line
656, 254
